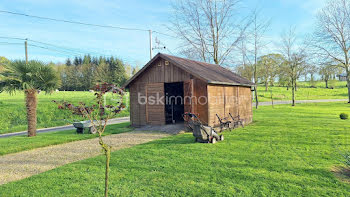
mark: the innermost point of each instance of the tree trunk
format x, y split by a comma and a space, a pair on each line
108, 157
31, 105
326, 83
348, 82
256, 97
107, 151
266, 86
293, 92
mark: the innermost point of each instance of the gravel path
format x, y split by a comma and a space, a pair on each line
301, 101
21, 165
63, 128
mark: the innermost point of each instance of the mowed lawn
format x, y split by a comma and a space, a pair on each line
22, 143
13, 111
304, 92
286, 152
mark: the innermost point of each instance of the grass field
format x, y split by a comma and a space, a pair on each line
13, 112
304, 92
287, 151
22, 143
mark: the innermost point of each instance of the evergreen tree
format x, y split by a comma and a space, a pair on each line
87, 59
68, 62
76, 61
80, 60
94, 61
128, 71
89, 70
135, 70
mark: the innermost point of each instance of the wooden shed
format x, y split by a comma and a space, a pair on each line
167, 86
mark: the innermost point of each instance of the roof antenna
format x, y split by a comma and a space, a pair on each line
159, 45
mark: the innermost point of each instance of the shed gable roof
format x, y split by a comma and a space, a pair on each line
210, 73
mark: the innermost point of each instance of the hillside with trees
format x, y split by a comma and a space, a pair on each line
82, 73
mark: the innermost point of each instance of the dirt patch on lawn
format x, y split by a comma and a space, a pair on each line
342, 173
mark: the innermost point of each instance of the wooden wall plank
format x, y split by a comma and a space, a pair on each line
229, 99
155, 112
201, 105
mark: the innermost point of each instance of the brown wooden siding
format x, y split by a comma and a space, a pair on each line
245, 104
201, 106
159, 73
155, 73
155, 112
229, 99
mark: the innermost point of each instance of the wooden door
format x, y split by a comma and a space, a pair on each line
188, 96
155, 108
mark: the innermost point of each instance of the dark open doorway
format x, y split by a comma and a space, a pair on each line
174, 105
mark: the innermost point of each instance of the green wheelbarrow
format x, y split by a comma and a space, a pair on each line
84, 125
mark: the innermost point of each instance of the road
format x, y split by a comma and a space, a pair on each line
63, 128
301, 101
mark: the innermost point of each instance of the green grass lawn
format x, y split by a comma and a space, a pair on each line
287, 151
13, 112
22, 143
304, 92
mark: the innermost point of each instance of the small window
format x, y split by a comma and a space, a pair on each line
166, 63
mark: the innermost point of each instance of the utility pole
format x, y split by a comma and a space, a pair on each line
150, 44
26, 50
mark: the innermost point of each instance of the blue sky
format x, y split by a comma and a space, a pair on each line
131, 46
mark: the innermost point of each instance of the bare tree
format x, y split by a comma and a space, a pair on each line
244, 67
211, 29
255, 41
332, 35
295, 56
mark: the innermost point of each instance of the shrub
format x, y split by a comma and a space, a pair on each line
344, 116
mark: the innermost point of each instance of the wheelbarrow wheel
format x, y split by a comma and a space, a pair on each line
213, 141
93, 130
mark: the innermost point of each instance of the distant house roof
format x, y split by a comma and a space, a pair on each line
211, 73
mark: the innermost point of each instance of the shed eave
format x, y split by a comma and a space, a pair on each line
231, 84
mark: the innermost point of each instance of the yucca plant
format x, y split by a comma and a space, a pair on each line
29, 77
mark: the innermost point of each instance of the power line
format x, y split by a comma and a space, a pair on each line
72, 22
10, 43
12, 38
90, 24
83, 23
66, 49
157, 32
50, 49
